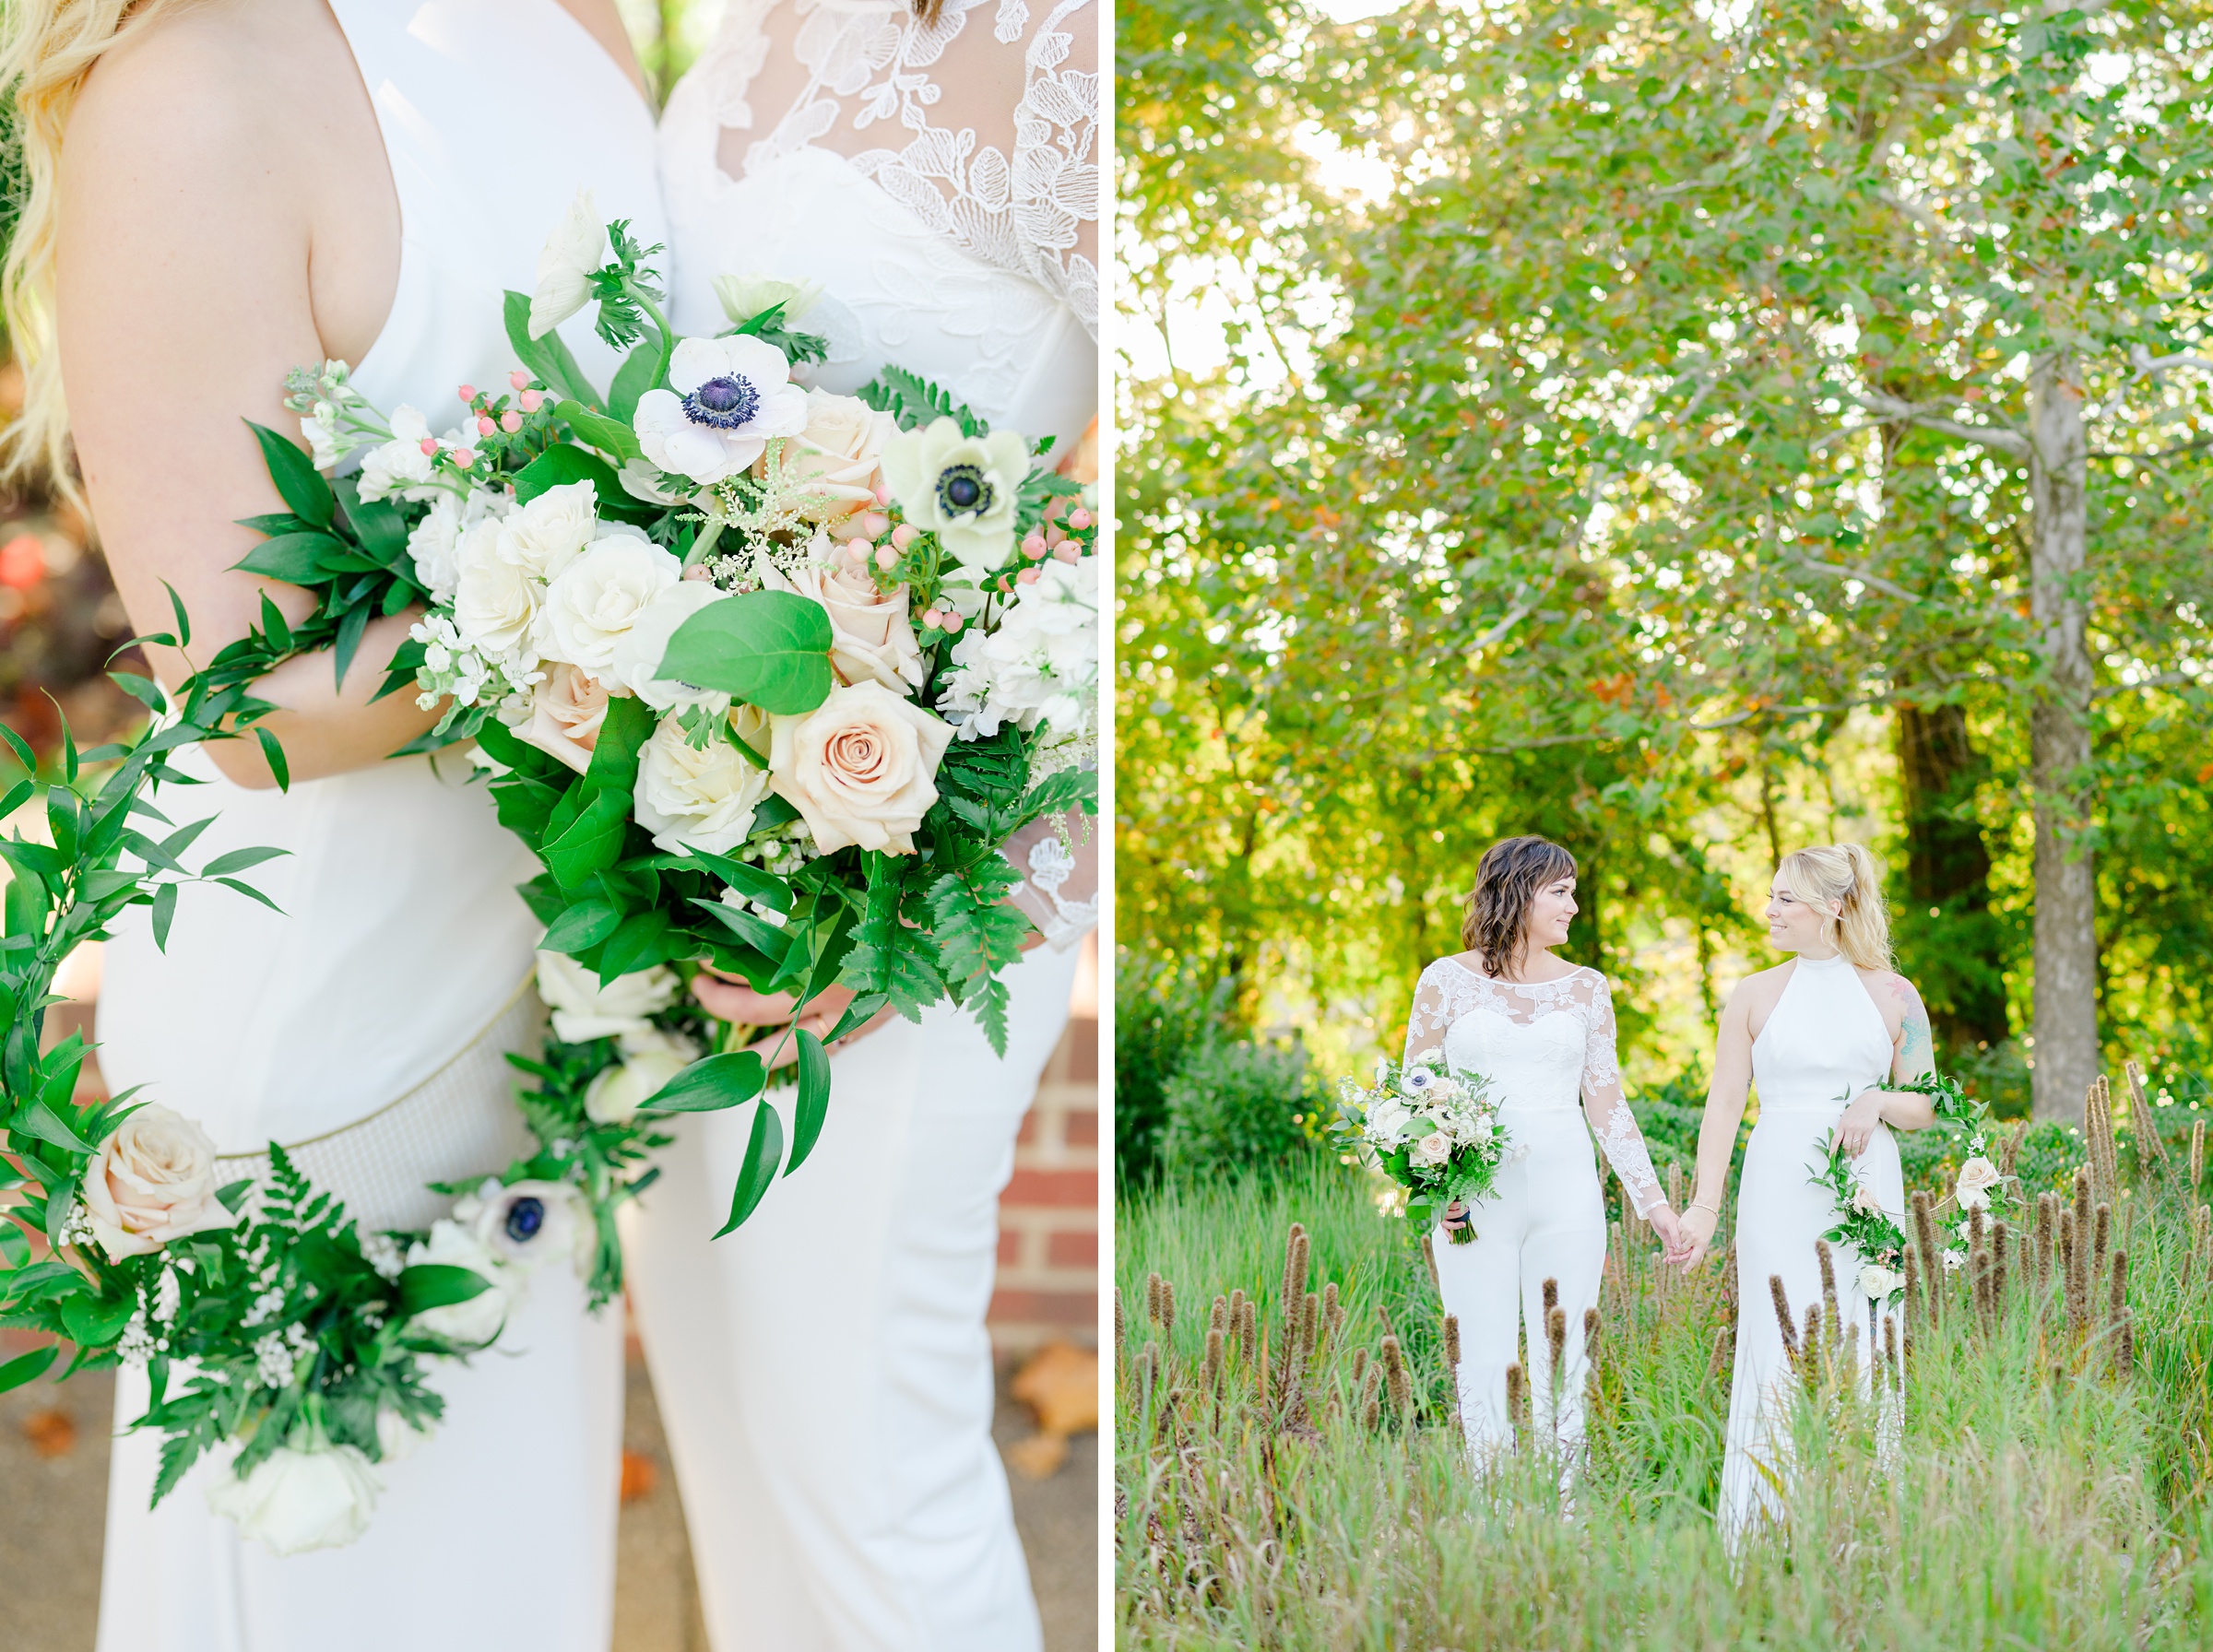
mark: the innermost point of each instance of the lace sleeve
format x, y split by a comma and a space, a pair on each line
1426, 1023
1059, 860
1608, 1109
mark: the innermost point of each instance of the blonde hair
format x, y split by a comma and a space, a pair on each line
47, 48
1848, 878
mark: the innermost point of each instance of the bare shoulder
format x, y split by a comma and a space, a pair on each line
603, 21
197, 84
1895, 997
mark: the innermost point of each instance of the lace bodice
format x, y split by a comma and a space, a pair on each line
1541, 1045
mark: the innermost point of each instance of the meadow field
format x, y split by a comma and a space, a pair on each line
1290, 1474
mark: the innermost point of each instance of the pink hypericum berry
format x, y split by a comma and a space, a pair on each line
930, 618
531, 401
698, 571
905, 534
1034, 545
510, 421
1068, 550
485, 427
1028, 577
883, 494
886, 557
1053, 535
430, 447
951, 622
874, 526
468, 394
859, 549
465, 457
519, 380
1078, 517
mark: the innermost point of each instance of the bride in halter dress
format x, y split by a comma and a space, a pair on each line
823, 1372
370, 1021
1820, 1036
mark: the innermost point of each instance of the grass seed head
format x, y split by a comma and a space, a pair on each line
1782, 1315
1452, 1341
1555, 1344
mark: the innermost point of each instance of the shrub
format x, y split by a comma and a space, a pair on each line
1234, 1107
1154, 1026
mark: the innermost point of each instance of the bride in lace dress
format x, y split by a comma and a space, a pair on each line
1541, 1031
1819, 1035
824, 1372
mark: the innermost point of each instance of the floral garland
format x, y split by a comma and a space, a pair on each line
684, 799
1863, 1223
1434, 1132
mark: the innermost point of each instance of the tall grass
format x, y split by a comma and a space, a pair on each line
1279, 1486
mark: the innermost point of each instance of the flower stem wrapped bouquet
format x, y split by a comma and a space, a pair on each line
765, 676
1863, 1223
1434, 1132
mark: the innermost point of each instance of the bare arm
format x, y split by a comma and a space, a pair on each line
1725, 1097
1913, 1055
192, 277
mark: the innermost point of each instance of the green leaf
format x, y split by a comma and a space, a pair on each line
93, 1322
429, 1285
238, 860
609, 435
635, 945
762, 1152
548, 358
165, 913
273, 754
813, 1105
40, 1120
307, 559
15, 1246
249, 890
565, 463
769, 649
590, 842
711, 1085
296, 477
28, 1367
176, 605
890, 958
914, 401
350, 630
633, 380
582, 925
629, 725
379, 524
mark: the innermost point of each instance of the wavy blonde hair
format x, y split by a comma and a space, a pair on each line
47, 47
1847, 877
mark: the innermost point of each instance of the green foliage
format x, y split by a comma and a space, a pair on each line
914, 401
1235, 1107
1158, 1021
767, 648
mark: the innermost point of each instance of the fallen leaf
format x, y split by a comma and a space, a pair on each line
638, 1475
50, 1433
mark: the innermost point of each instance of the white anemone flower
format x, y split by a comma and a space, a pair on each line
963, 489
565, 265
727, 397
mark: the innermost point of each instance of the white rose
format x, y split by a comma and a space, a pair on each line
434, 543
495, 603
1977, 1178
700, 798
860, 768
583, 1009
744, 296
397, 1436
294, 1501
399, 466
601, 596
565, 265
567, 711
727, 397
871, 638
1388, 1118
838, 457
153, 1180
1877, 1282
618, 1093
477, 1321
1431, 1149
962, 488
549, 533
1866, 1200
636, 657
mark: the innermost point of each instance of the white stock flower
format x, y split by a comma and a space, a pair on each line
962, 488
295, 1501
320, 428
399, 466
548, 534
694, 797
1039, 664
565, 265
583, 1009
600, 595
728, 396
434, 543
478, 1320
1431, 1149
744, 296
636, 656
495, 603
1977, 1178
650, 1061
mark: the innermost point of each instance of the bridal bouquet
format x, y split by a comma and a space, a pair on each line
765, 676
1434, 1132
1863, 1223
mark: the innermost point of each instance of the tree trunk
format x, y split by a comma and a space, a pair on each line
1958, 969
2059, 745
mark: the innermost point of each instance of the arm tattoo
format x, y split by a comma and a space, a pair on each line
1916, 1045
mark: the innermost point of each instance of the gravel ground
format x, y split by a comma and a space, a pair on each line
52, 1503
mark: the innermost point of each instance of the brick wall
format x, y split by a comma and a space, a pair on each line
1048, 1217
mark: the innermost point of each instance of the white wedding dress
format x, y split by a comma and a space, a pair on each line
823, 1372
368, 1020
1824, 1042
1542, 1045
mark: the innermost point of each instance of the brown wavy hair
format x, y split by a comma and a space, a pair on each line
1506, 878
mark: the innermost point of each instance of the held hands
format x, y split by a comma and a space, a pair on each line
1694, 1231
732, 1001
1856, 1128
1669, 1226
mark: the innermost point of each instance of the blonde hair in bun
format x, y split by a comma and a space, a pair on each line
1845, 878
